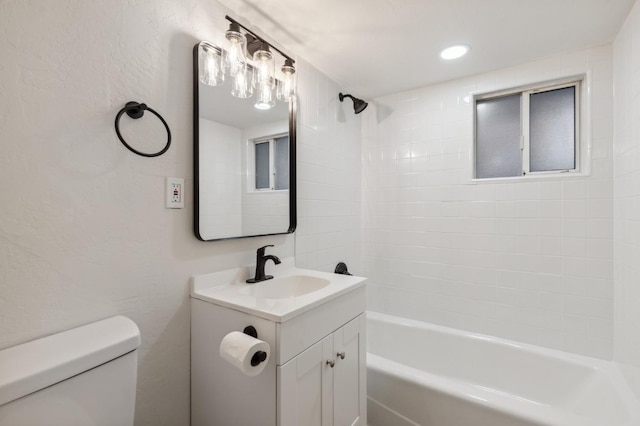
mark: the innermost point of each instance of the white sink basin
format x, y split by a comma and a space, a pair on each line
292, 291
285, 287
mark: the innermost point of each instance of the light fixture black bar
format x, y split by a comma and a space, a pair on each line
230, 19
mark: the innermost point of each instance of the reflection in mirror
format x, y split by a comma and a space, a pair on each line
244, 161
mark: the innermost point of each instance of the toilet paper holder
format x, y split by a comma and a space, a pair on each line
259, 356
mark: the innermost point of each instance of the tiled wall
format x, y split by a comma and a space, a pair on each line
220, 183
627, 190
262, 212
525, 260
329, 176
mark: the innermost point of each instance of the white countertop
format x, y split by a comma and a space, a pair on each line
223, 288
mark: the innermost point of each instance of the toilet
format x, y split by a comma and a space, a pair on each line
85, 376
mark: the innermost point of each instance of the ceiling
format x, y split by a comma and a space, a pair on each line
377, 47
217, 104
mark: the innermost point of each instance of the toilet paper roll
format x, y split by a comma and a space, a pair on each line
238, 349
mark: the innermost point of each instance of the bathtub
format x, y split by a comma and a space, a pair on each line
429, 375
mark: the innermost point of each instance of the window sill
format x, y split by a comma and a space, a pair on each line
533, 177
268, 191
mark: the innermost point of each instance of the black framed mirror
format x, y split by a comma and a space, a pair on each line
244, 161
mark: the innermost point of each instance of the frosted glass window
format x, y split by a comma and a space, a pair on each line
552, 130
532, 131
498, 131
282, 163
271, 158
262, 165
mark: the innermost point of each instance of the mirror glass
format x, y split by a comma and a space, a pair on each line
244, 163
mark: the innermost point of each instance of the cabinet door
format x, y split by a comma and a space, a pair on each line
305, 386
349, 374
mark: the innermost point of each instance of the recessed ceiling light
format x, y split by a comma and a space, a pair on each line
454, 52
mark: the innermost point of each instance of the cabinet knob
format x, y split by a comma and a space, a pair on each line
341, 355
331, 363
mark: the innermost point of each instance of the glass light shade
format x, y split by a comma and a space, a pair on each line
235, 59
264, 64
286, 88
211, 65
265, 96
242, 87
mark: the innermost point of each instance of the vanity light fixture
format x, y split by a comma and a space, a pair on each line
235, 58
263, 60
266, 98
250, 63
454, 52
287, 87
211, 65
264, 77
243, 84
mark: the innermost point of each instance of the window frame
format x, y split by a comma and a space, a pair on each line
582, 152
251, 170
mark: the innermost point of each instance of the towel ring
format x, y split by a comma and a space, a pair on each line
136, 110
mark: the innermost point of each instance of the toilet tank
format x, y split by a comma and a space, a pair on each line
85, 376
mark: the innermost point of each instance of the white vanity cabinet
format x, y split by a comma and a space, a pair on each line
316, 371
325, 384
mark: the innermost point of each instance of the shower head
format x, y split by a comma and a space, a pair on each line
358, 104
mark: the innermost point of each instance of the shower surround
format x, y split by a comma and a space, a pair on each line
528, 260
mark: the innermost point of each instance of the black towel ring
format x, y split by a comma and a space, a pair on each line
136, 110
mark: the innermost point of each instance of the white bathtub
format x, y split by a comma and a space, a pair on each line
428, 375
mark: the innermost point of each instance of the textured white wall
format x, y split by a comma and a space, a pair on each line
83, 229
627, 194
530, 261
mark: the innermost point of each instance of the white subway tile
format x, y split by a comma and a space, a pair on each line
550, 208
528, 260
551, 227
602, 188
599, 209
574, 247
600, 268
527, 191
551, 265
550, 190
575, 189
576, 325
599, 308
574, 209
574, 266
599, 228
574, 305
599, 248
527, 209
599, 288
574, 228
550, 246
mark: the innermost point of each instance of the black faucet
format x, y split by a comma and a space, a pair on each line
261, 259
